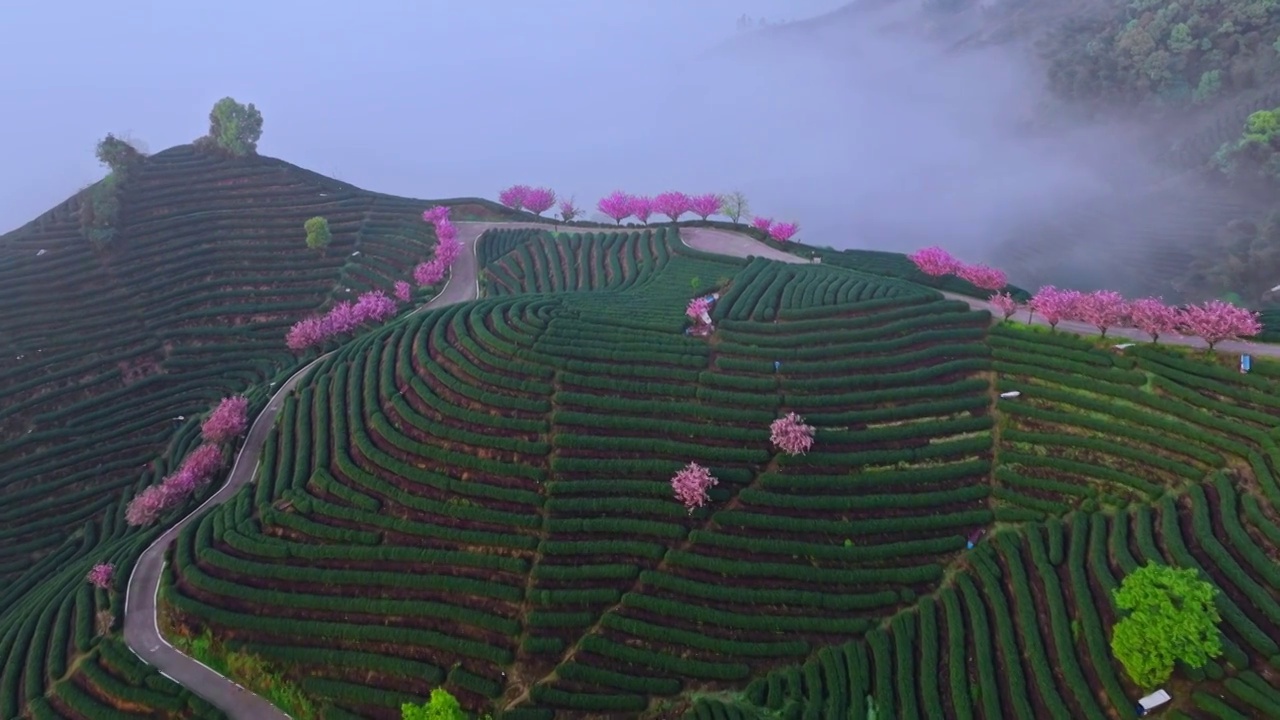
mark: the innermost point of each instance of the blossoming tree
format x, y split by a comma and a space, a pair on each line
690, 485
673, 204
101, 575
616, 205
1153, 317
705, 205
934, 261
227, 421
1216, 320
539, 200
791, 435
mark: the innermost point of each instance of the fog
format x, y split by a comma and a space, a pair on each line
865, 136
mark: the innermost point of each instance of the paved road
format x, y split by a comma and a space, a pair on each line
141, 631
141, 628
727, 242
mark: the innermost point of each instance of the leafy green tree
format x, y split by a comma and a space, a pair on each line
235, 128
318, 235
1171, 618
117, 154
442, 706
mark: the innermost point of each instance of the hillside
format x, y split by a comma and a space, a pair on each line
110, 356
479, 497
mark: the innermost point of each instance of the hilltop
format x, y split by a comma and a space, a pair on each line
476, 492
111, 353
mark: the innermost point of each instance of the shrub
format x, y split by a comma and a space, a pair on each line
318, 234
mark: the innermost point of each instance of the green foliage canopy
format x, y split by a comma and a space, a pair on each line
1171, 617
1170, 52
1256, 152
116, 153
234, 127
442, 706
318, 235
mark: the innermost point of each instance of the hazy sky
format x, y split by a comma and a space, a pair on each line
864, 138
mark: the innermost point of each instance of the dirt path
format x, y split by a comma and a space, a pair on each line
141, 628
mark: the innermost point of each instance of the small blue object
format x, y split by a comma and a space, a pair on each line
970, 544
1246, 363
776, 365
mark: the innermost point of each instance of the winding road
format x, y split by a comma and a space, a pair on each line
141, 626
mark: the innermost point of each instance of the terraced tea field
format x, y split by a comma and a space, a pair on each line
479, 499
107, 359
477, 496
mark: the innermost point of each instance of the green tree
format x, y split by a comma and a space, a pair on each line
442, 706
1171, 618
235, 128
318, 235
117, 154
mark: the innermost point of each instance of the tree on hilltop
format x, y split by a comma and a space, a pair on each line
116, 153
1171, 617
235, 128
734, 206
318, 234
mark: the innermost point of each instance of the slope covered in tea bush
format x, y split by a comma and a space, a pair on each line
479, 498
107, 357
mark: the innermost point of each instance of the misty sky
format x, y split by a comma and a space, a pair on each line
865, 139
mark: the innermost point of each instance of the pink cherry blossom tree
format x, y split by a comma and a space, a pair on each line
228, 420
763, 224
149, 505
306, 333
568, 211
691, 484
403, 291
1216, 320
375, 307
1103, 309
1005, 303
1153, 317
791, 435
934, 261
983, 277
428, 273
539, 200
705, 205
672, 204
697, 307
1054, 305
436, 215
446, 231
448, 250
783, 232
616, 205
341, 319
101, 575
641, 207
514, 196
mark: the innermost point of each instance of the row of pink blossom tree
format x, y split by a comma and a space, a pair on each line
619, 206
690, 484
1212, 321
779, 231
448, 248
375, 306
538, 200
228, 421
936, 262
